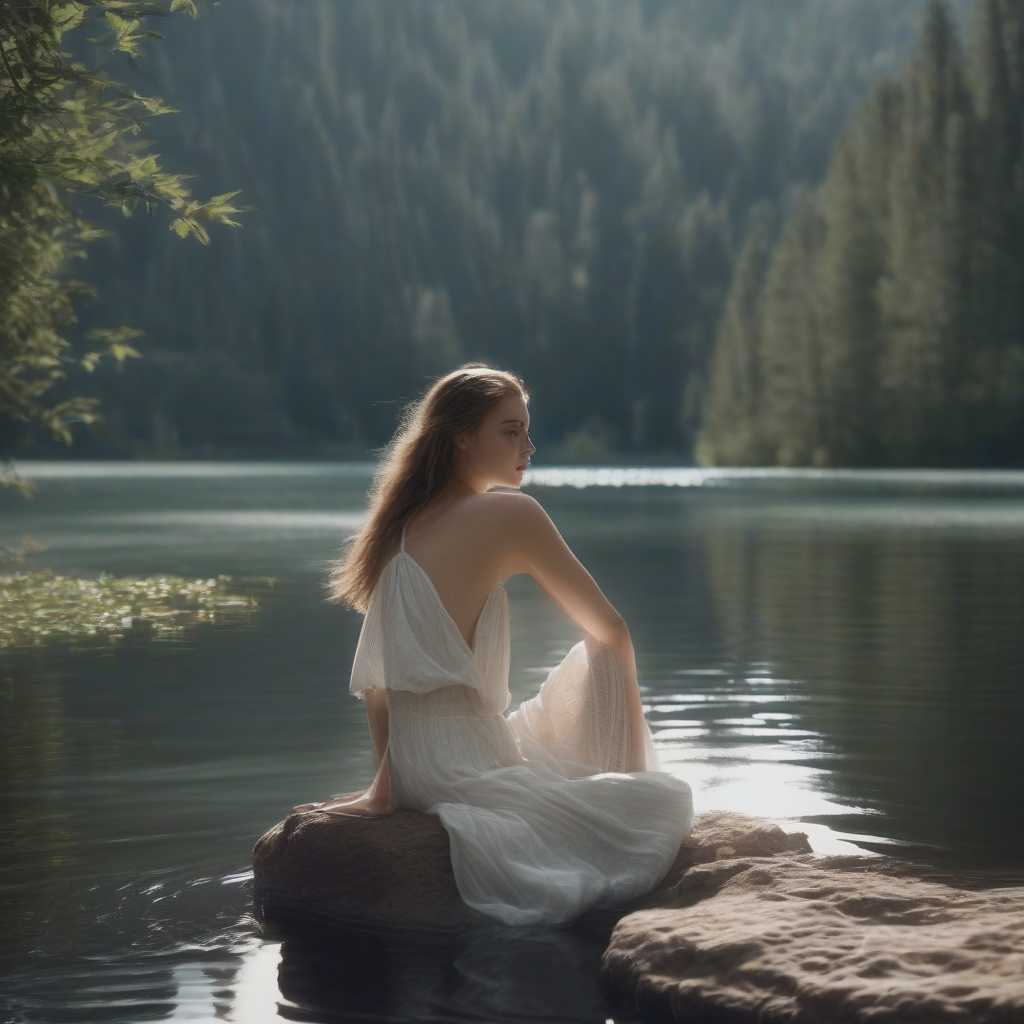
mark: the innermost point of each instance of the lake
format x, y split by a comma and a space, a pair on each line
841, 652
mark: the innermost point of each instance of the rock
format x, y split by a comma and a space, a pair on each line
793, 939
396, 871
716, 835
747, 926
389, 872
722, 835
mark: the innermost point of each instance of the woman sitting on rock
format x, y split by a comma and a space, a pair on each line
560, 805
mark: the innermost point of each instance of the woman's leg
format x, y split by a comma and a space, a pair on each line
588, 714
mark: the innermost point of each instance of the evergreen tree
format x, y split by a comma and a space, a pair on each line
992, 389
923, 292
792, 419
560, 188
731, 434
855, 205
1011, 17
891, 322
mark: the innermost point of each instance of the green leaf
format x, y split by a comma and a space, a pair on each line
154, 105
116, 339
69, 126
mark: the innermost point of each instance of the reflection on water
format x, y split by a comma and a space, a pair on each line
913, 647
493, 974
839, 651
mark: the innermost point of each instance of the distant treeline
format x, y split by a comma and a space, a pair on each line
563, 188
886, 325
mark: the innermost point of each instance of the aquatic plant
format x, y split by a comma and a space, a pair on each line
38, 607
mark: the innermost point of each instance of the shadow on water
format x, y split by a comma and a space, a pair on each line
495, 974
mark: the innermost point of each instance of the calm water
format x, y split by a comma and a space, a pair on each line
843, 653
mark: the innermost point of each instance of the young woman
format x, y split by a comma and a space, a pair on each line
560, 805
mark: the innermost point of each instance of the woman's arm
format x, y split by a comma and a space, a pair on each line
539, 549
535, 546
377, 722
378, 798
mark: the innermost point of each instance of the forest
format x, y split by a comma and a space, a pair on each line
886, 325
747, 232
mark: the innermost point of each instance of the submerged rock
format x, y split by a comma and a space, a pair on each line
396, 871
840, 939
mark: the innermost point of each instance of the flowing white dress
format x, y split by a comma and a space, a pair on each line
545, 809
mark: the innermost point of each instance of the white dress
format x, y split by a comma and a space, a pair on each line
545, 809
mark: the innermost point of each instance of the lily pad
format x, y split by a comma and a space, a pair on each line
37, 607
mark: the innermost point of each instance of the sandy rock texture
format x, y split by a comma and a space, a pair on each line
396, 871
773, 937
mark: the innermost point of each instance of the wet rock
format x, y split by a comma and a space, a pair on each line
793, 938
392, 871
396, 871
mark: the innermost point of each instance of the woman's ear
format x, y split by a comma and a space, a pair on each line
461, 442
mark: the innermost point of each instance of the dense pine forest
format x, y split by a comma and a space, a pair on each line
886, 325
690, 225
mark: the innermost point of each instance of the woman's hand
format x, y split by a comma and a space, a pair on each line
365, 802
303, 808
377, 799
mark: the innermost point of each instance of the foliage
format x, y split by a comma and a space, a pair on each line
887, 326
560, 188
38, 607
68, 127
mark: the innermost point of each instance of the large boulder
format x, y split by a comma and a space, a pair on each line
395, 871
746, 925
392, 871
794, 939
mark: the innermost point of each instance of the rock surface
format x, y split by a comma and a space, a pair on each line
840, 939
392, 871
396, 871
747, 924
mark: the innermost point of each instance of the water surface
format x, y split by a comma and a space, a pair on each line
841, 652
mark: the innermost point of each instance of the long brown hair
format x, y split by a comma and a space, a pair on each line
419, 467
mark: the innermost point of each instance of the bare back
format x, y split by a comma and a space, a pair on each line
464, 549
481, 539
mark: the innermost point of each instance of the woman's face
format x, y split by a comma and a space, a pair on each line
499, 451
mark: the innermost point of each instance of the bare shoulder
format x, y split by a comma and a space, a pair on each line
511, 512
512, 506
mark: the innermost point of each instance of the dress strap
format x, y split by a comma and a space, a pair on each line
403, 539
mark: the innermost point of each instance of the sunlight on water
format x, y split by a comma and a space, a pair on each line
256, 995
700, 739
671, 476
194, 997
